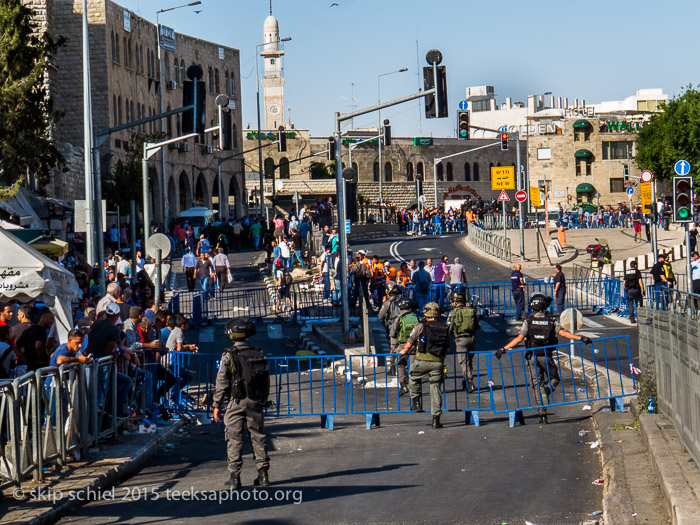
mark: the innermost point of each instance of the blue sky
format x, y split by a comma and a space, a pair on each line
588, 49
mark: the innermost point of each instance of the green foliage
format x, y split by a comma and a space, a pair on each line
671, 135
26, 110
320, 170
646, 388
125, 182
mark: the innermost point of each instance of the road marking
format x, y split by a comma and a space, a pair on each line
591, 323
394, 251
486, 327
426, 249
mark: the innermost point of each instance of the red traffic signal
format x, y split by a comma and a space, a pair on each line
504, 141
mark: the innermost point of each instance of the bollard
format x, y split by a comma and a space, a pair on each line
562, 236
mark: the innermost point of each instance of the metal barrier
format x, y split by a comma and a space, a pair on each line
490, 243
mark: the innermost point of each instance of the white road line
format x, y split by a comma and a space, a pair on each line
591, 323
394, 251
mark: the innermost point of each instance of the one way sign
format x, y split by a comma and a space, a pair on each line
503, 197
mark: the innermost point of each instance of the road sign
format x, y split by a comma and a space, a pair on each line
535, 199
503, 129
521, 196
347, 226
647, 176
571, 320
645, 191
503, 178
630, 191
464, 105
503, 197
158, 241
632, 183
296, 197
682, 167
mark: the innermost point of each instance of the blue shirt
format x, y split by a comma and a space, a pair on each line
61, 350
515, 280
421, 279
164, 333
189, 260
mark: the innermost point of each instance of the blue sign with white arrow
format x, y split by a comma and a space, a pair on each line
464, 105
682, 167
630, 191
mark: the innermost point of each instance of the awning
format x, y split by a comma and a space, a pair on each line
582, 154
581, 124
50, 247
585, 188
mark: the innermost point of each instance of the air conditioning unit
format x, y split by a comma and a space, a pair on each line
208, 149
184, 147
173, 145
172, 84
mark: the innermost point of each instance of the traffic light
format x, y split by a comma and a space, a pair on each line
463, 124
331, 148
626, 174
282, 144
226, 142
387, 132
682, 199
433, 109
194, 120
504, 141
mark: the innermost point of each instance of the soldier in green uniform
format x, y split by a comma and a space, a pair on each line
431, 340
400, 332
242, 386
463, 324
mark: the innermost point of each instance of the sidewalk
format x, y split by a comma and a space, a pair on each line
620, 240
88, 479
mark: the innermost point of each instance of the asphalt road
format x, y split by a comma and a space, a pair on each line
400, 472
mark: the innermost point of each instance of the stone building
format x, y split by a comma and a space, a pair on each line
126, 85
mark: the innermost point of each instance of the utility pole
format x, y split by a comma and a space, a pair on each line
520, 204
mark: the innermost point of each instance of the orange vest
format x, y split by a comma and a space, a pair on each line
403, 278
391, 273
377, 270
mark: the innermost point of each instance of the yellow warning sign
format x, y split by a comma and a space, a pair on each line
535, 197
645, 191
503, 178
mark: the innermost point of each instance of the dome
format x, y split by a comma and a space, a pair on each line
271, 25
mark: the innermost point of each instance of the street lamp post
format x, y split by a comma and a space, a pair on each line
527, 174
257, 98
379, 130
164, 194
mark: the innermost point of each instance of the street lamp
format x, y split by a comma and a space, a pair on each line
379, 130
164, 195
257, 96
527, 175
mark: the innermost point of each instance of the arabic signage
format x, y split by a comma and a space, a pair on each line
11, 281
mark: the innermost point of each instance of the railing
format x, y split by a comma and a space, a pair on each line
490, 243
53, 413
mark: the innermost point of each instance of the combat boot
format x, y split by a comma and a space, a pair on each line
472, 386
418, 404
436, 422
234, 482
543, 420
263, 479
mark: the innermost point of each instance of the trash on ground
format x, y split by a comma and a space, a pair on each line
583, 432
596, 513
599, 481
587, 407
580, 390
595, 444
422, 432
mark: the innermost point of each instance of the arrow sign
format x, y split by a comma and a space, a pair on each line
521, 196
463, 105
503, 197
647, 176
682, 167
630, 191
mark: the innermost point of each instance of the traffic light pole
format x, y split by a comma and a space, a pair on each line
438, 160
688, 268
520, 204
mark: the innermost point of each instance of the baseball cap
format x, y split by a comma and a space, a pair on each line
112, 309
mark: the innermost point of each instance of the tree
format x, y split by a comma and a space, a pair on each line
26, 109
125, 182
671, 135
320, 170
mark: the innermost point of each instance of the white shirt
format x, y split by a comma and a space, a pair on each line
284, 249
189, 261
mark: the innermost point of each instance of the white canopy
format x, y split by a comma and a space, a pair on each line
27, 274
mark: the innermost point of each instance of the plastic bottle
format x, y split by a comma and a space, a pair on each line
650, 408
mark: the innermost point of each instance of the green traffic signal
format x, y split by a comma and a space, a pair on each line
683, 213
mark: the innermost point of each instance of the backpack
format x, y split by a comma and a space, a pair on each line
5, 373
465, 321
407, 323
435, 339
251, 376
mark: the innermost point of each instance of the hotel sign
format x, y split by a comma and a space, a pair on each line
167, 37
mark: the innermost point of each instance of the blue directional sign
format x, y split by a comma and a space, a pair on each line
630, 191
464, 105
682, 167
347, 225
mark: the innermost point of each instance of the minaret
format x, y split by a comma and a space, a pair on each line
273, 81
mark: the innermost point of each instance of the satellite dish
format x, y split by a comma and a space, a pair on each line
158, 241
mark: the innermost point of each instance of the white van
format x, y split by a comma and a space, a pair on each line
198, 217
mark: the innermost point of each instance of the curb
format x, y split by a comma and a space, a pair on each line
108, 478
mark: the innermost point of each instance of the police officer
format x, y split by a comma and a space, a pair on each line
538, 330
240, 407
388, 313
463, 324
431, 340
400, 331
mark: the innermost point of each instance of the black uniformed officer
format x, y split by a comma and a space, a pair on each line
432, 343
463, 324
240, 408
541, 329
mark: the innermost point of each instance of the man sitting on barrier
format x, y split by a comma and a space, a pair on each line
432, 342
539, 330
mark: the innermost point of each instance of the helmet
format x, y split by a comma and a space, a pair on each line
539, 302
431, 310
392, 288
239, 328
458, 297
405, 303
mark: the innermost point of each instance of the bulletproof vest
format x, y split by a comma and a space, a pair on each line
250, 376
465, 321
631, 279
435, 339
407, 323
540, 332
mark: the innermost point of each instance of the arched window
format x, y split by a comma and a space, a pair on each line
182, 70
126, 56
269, 168
440, 174
498, 164
216, 81
475, 172
167, 68
388, 172
420, 170
467, 171
211, 80
131, 106
409, 172
226, 82
116, 42
449, 172
284, 168
490, 166
176, 68
119, 110
375, 174
232, 85
114, 50
178, 124
128, 59
115, 111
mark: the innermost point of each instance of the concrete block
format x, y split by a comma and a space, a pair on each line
677, 252
642, 262
606, 270
619, 267
650, 260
